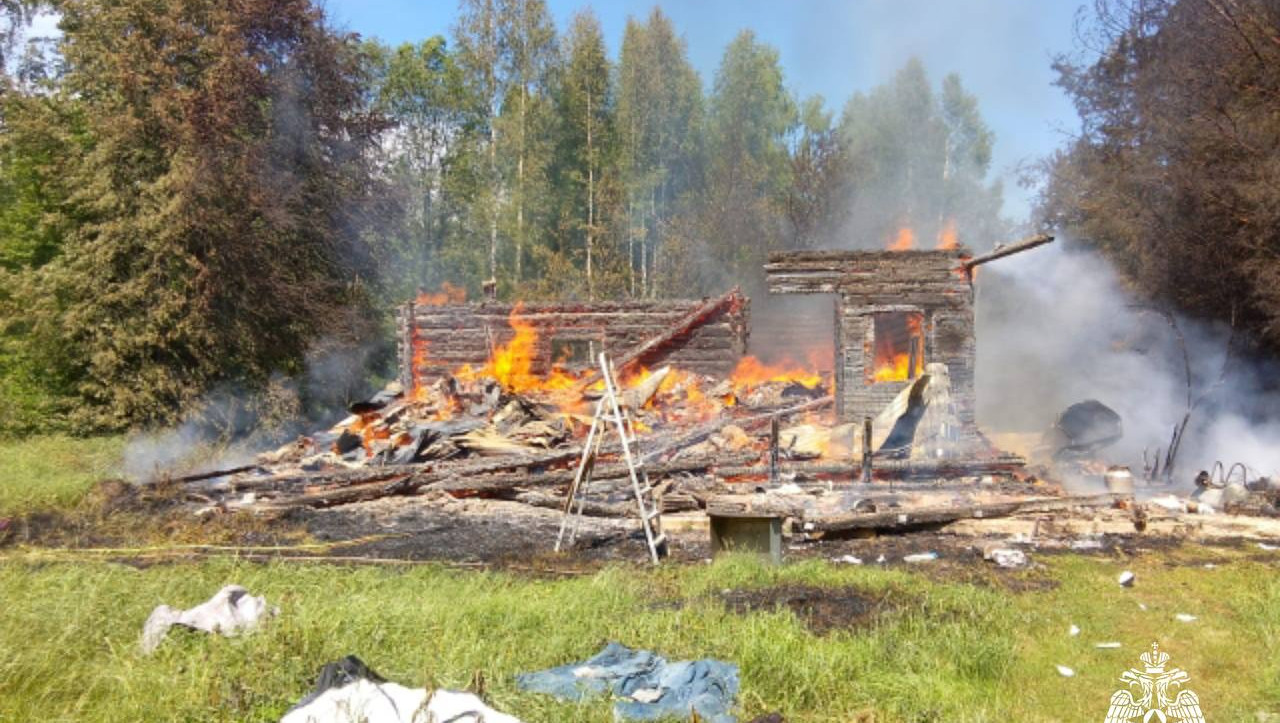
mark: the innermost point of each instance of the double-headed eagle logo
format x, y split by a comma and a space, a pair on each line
1155, 695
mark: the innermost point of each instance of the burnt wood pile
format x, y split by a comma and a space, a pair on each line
519, 447
495, 400
524, 447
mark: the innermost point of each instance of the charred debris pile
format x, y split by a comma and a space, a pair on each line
503, 414
495, 400
874, 430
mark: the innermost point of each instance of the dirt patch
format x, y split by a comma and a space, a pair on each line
493, 532
890, 550
508, 535
823, 610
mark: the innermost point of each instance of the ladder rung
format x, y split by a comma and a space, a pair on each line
661, 538
652, 514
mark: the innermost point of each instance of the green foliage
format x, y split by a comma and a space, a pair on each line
817, 197
43, 131
526, 129
740, 211
419, 87
197, 197
197, 221
1174, 176
660, 117
585, 171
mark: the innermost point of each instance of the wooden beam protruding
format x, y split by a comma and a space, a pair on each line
1000, 252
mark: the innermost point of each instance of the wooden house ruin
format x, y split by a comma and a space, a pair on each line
896, 312
705, 336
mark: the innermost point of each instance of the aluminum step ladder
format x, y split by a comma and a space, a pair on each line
610, 412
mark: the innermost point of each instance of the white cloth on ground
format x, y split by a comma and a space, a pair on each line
231, 611
367, 702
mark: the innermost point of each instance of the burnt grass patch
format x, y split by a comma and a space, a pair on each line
115, 513
824, 610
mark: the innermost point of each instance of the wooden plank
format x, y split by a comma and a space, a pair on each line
885, 468
704, 432
699, 463
901, 519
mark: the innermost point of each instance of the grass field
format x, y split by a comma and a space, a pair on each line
53, 471
952, 644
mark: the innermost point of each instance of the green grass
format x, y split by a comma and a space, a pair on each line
949, 651
54, 471
956, 645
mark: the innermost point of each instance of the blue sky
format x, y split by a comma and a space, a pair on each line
1000, 48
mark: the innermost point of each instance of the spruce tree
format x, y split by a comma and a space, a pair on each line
214, 199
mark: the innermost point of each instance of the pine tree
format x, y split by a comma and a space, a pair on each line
748, 172
816, 198
477, 38
418, 88
529, 62
508, 58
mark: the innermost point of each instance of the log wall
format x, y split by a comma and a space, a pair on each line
933, 283
434, 341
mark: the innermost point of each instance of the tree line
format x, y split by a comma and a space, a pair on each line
199, 192
1175, 175
537, 160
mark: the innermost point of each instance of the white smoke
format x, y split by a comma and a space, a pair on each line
225, 429
232, 424
1056, 326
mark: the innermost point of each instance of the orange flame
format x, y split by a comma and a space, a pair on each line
905, 240
366, 425
517, 365
752, 372
947, 237
419, 352
893, 364
512, 363
895, 369
448, 294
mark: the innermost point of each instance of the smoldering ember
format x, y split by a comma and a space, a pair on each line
564, 361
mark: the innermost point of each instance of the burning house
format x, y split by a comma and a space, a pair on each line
895, 312
438, 336
495, 401
899, 313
